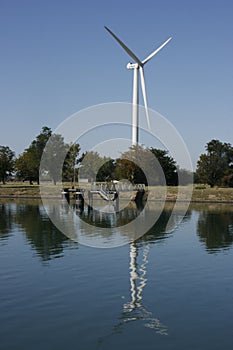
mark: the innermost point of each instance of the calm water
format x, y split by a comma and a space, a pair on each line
165, 291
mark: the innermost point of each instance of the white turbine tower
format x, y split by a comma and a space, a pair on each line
137, 66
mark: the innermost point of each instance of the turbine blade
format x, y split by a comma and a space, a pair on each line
143, 85
136, 59
156, 51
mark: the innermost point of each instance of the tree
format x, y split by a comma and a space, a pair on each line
139, 165
185, 177
70, 163
28, 163
53, 157
7, 159
25, 168
147, 165
216, 166
96, 168
168, 165
127, 166
107, 171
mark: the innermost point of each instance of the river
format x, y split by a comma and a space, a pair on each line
166, 290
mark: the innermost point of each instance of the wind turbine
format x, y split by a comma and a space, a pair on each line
137, 66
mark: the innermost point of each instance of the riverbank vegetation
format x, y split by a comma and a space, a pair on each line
150, 166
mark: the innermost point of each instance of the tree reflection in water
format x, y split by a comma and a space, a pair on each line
39, 230
215, 227
6, 219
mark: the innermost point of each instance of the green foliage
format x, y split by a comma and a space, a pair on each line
168, 165
200, 187
129, 166
185, 177
69, 171
7, 158
28, 163
25, 168
53, 157
146, 165
196, 178
107, 171
96, 168
215, 167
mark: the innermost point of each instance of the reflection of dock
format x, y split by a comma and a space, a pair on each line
72, 193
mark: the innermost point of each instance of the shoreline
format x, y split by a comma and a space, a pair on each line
200, 193
168, 200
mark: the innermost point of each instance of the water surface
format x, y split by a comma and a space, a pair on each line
164, 291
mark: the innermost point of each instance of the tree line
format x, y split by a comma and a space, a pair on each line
215, 167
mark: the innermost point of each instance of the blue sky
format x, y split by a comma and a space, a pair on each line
56, 59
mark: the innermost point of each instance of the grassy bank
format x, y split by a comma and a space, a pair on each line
200, 193
19, 189
212, 194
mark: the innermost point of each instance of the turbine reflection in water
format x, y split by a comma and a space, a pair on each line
134, 309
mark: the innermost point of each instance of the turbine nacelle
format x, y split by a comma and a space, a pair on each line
131, 65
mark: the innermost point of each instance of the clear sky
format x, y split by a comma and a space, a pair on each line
56, 59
